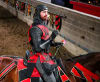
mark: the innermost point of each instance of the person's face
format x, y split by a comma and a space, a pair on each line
44, 14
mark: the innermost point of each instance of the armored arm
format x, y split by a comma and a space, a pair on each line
36, 34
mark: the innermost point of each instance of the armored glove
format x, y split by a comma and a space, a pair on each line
54, 34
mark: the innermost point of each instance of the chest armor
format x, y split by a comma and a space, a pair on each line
45, 31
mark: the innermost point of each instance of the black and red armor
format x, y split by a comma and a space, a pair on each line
39, 34
44, 30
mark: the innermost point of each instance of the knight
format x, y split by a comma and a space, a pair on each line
40, 64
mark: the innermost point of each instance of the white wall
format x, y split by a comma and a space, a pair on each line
49, 1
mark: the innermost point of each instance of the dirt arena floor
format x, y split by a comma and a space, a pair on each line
14, 37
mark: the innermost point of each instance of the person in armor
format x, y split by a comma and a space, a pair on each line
39, 32
41, 41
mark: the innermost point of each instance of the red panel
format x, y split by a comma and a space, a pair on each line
86, 8
27, 80
20, 65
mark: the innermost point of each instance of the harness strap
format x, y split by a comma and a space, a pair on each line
7, 69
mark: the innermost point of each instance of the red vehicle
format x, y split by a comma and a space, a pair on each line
87, 6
